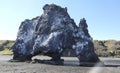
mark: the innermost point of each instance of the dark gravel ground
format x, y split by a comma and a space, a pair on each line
71, 66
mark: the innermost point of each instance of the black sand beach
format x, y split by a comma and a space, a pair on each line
71, 66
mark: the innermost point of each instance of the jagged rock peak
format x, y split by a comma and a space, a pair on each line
84, 27
52, 7
83, 23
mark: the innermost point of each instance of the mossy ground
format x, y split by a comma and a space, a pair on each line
5, 47
6, 52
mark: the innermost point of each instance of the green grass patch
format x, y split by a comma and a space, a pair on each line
6, 52
5, 47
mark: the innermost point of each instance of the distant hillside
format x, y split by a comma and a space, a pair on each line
5, 46
105, 48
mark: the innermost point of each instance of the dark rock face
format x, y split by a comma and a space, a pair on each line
25, 40
52, 33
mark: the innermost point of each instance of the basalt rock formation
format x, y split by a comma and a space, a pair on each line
52, 33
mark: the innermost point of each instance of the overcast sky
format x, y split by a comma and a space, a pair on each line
103, 16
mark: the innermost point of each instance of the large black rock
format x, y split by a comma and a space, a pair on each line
52, 33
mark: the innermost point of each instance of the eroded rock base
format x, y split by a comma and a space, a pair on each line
51, 61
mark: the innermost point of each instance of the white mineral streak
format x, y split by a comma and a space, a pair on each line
79, 47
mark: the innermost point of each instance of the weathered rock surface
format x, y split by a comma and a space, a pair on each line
52, 33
